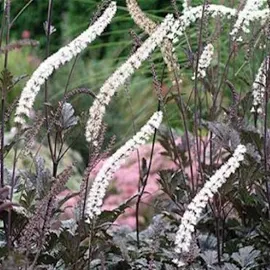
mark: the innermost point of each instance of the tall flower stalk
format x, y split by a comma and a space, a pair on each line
120, 76
52, 63
106, 173
205, 60
195, 208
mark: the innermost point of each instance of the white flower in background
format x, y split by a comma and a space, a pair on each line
52, 29
59, 58
97, 192
197, 205
258, 87
205, 61
194, 13
245, 17
119, 77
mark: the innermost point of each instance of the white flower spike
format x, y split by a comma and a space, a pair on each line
52, 63
97, 192
205, 61
119, 77
259, 86
197, 205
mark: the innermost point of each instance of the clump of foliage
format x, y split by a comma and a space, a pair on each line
213, 208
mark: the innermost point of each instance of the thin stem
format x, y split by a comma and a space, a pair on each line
55, 160
55, 144
3, 101
196, 97
4, 91
217, 221
223, 231
48, 35
222, 79
86, 189
174, 73
70, 74
91, 236
157, 87
11, 193
61, 155
60, 148
265, 131
20, 13
134, 131
2, 30
2, 136
143, 188
180, 104
13, 171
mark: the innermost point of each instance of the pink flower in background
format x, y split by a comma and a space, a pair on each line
125, 183
26, 34
126, 179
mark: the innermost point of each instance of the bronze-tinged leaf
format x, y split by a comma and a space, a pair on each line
6, 79
68, 119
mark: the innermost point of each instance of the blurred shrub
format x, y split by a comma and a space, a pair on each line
18, 61
34, 24
38, 150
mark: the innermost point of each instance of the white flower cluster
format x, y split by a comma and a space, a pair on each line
196, 207
119, 77
205, 61
192, 14
245, 16
101, 182
258, 87
59, 58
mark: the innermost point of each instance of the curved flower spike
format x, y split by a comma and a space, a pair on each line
52, 63
197, 205
97, 193
119, 77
